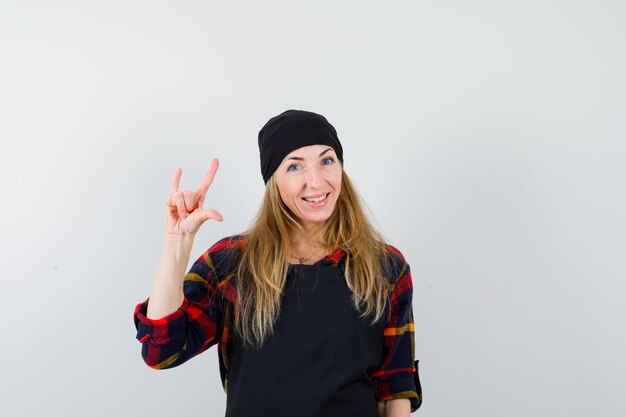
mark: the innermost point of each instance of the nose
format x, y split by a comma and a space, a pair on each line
313, 177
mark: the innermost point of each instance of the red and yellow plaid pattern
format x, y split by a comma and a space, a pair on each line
206, 315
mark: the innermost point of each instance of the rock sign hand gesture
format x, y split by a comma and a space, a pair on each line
183, 209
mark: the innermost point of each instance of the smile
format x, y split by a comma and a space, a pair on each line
316, 199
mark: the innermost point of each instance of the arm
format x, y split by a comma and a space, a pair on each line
398, 408
394, 408
183, 217
180, 318
167, 289
396, 380
194, 326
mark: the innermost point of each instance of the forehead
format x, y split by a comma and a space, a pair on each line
312, 151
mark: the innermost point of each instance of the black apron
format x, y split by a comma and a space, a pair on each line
318, 361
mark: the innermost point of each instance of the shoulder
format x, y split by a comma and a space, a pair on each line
395, 264
223, 256
229, 243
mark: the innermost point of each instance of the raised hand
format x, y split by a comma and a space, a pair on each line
183, 209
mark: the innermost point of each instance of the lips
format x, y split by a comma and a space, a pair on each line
316, 198
316, 201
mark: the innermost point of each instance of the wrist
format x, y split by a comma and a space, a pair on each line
177, 241
178, 249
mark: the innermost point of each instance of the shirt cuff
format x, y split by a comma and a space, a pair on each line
400, 385
160, 331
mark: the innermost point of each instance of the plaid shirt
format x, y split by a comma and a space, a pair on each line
206, 315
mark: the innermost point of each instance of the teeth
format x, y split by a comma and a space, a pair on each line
316, 200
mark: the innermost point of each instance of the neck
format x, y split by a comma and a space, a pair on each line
311, 238
307, 241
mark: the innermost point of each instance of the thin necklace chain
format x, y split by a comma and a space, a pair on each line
303, 260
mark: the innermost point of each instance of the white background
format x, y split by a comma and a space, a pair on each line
486, 137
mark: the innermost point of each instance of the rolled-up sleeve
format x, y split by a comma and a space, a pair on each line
397, 377
191, 329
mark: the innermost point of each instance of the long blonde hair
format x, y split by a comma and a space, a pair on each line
263, 266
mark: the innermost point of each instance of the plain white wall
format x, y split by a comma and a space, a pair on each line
486, 137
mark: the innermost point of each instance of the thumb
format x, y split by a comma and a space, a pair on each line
197, 218
207, 214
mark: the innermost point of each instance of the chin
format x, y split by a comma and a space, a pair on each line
317, 220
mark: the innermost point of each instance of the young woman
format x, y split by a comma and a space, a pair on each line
310, 309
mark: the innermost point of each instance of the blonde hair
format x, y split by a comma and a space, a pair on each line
263, 266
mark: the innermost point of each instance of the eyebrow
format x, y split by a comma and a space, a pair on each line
296, 158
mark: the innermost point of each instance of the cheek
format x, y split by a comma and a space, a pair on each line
336, 182
287, 192
338, 190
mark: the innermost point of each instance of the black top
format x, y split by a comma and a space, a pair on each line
318, 361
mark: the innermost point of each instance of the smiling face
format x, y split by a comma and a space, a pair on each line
309, 183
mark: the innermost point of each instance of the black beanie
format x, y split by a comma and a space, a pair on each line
291, 130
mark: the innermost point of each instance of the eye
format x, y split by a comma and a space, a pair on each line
328, 161
293, 168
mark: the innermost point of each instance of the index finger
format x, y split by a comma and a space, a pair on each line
175, 181
208, 178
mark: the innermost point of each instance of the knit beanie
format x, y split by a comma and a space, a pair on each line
291, 130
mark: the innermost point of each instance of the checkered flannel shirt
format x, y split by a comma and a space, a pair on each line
205, 318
